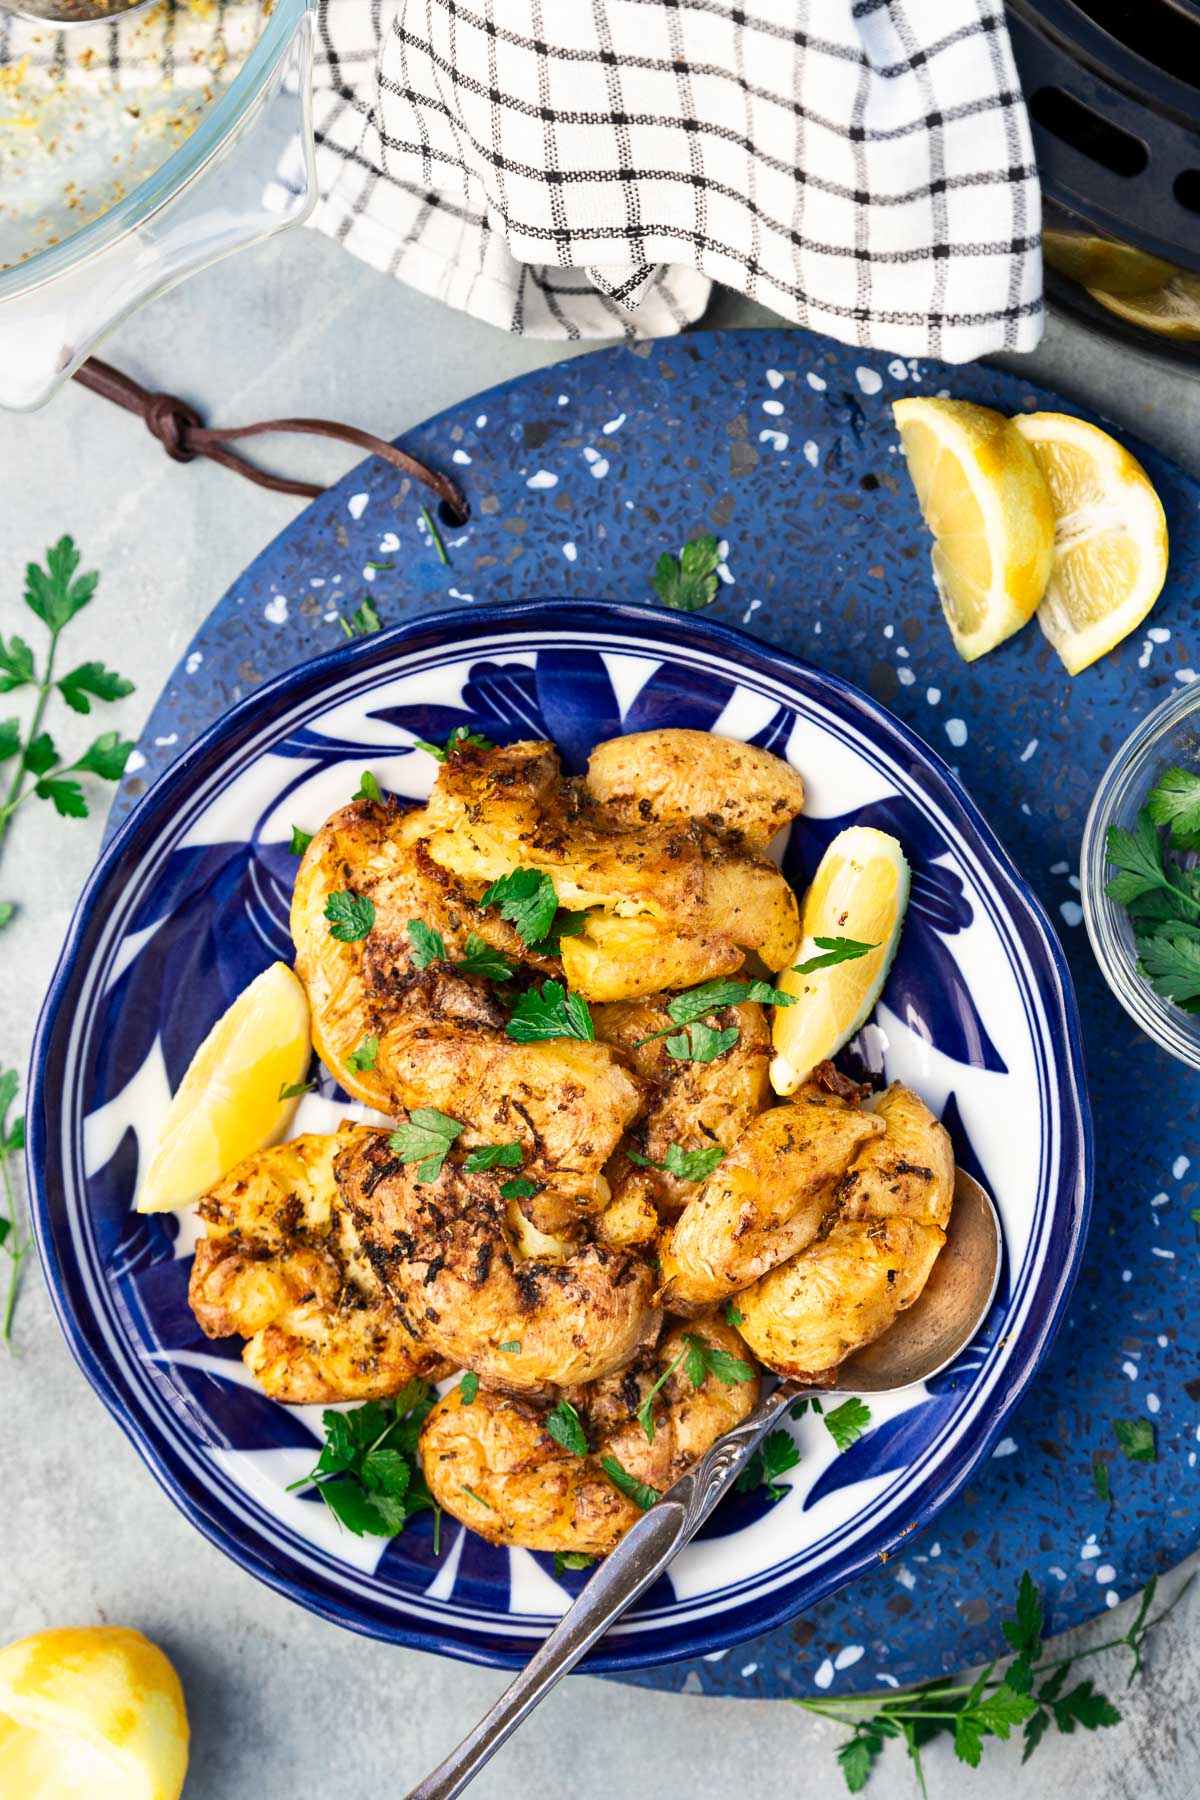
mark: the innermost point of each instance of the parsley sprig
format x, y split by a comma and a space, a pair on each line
690, 1038
429, 946
15, 1241
426, 1140
1160, 894
363, 622
1032, 1693
55, 594
700, 1360
686, 1165
368, 1474
462, 734
526, 898
775, 1456
689, 581
833, 950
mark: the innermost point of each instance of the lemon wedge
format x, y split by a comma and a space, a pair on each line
860, 891
229, 1103
1110, 537
94, 1713
1098, 262
987, 505
1170, 310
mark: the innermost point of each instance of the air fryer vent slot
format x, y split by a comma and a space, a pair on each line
1089, 132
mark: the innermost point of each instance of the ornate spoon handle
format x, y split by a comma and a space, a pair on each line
639, 1559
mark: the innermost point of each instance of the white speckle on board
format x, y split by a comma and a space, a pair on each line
933, 695
136, 761
564, 400
1090, 1549
1006, 1447
898, 370
356, 505
1186, 676
368, 573
543, 479
1073, 880
774, 378
1025, 807
1152, 1403
750, 1669
570, 552
614, 424
164, 743
847, 1657
1105, 1573
812, 454
1147, 653
1029, 750
956, 731
328, 617
600, 467
907, 678
1058, 1574
1126, 1274
889, 631
1059, 868
191, 665
481, 421
455, 595
1158, 634
901, 651
774, 407
460, 456
869, 380
1180, 1167
388, 542
935, 1549
1111, 1599
1130, 1369
778, 440
1160, 1199
750, 611
1071, 911
816, 382
887, 1680
1167, 1255
276, 610
1162, 1340
817, 628
824, 1675
716, 1656
317, 581
905, 1576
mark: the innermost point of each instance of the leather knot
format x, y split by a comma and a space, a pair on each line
169, 420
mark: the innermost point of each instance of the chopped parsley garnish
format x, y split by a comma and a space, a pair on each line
363, 621
293, 1090
527, 899
700, 1360
519, 1189
351, 916
570, 1559
368, 1474
847, 1422
773, 1458
461, 734
512, 1348
640, 1492
368, 788
645, 1412
686, 1165
566, 1428
1100, 1480
493, 1156
468, 1387
689, 581
478, 1498
1136, 1438
700, 1043
732, 1314
554, 1013
300, 841
363, 1058
834, 950
428, 945
482, 960
566, 924
426, 1139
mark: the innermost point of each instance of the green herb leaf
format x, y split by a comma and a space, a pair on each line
52, 593
688, 582
105, 756
363, 1513
293, 1090
1174, 801
482, 960
566, 1428
468, 1387
519, 1189
478, 1499
366, 1473
835, 950
65, 796
16, 664
436, 536
710, 996
91, 680
425, 1139
7, 913
645, 1412
856, 1759
351, 916
705, 1359
527, 899
300, 841
1137, 856
40, 753
364, 621
686, 1165
566, 924
570, 1559
1024, 1633
367, 789
640, 1492
493, 1156
386, 1472
775, 1456
732, 1314
700, 1043
363, 1058
1170, 960
554, 1013
1136, 1438
512, 1348
428, 945
1100, 1481
460, 735
10, 738
847, 1422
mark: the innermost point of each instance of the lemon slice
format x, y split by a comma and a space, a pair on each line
94, 1713
1170, 310
228, 1104
984, 499
1097, 262
1110, 537
860, 891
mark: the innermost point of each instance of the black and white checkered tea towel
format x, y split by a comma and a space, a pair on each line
585, 168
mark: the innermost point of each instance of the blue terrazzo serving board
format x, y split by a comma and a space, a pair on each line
782, 444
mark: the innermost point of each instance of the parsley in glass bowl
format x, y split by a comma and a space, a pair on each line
1139, 879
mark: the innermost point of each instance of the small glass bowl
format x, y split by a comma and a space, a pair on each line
1168, 736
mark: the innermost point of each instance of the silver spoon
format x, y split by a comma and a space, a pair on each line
955, 1302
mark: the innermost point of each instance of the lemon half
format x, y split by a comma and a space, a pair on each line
93, 1713
228, 1104
860, 891
985, 501
1110, 537
1171, 310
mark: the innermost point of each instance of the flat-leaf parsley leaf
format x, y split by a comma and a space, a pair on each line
351, 916
833, 950
847, 1422
527, 899
640, 1492
426, 1139
688, 582
554, 1013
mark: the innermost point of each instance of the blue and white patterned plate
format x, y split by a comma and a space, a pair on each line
190, 901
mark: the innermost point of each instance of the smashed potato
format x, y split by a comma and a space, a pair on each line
282, 1267
736, 790
807, 1316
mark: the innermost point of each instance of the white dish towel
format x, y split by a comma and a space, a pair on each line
587, 168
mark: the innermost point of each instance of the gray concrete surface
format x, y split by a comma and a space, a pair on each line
282, 1704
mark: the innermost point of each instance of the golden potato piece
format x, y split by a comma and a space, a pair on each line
494, 1466
281, 1266
622, 959
753, 903
742, 793
807, 1316
446, 1253
765, 1201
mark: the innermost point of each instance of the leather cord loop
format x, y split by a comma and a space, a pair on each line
184, 436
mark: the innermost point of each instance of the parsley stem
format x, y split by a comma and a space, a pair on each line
44, 686
16, 1251
436, 535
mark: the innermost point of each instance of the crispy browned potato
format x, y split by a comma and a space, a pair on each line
737, 790
696, 1105
494, 1466
807, 1316
281, 1266
446, 1253
765, 1201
